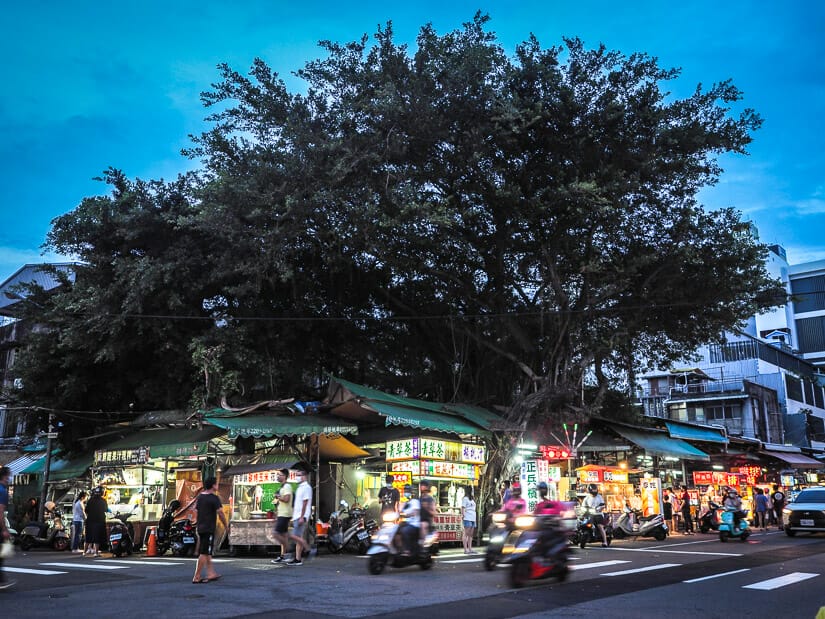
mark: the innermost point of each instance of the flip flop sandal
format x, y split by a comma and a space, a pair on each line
200, 581
215, 578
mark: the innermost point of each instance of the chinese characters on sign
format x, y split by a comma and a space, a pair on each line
448, 526
434, 449
751, 473
717, 478
122, 457
529, 479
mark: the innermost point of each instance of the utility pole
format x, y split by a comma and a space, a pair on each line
50, 434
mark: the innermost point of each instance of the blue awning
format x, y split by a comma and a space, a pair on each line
660, 444
696, 433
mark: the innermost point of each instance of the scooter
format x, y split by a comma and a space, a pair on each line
587, 531
536, 548
500, 528
387, 547
711, 518
727, 530
164, 530
50, 533
350, 531
122, 534
644, 526
14, 537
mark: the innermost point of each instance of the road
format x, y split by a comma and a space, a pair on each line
769, 576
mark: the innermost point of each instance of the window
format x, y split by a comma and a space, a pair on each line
793, 388
810, 292
733, 351
723, 411
811, 334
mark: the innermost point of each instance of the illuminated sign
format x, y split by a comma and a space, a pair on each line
615, 477
457, 470
556, 452
435, 449
121, 457
402, 450
431, 448
751, 473
716, 478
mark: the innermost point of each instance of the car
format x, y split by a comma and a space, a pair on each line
806, 512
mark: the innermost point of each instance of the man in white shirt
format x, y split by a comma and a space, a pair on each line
302, 510
411, 529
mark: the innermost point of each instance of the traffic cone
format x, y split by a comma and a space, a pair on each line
152, 543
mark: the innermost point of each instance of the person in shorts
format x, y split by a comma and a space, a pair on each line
300, 517
283, 514
209, 508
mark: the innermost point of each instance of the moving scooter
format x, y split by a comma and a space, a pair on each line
642, 526
388, 548
727, 530
536, 548
50, 533
711, 518
500, 527
122, 534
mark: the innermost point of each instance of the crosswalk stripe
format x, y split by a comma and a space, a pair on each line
88, 566
782, 581
25, 570
747, 569
476, 560
585, 566
140, 562
649, 568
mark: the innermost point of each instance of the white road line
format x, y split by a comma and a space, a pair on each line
139, 562
476, 560
649, 568
88, 566
195, 559
782, 581
587, 566
679, 552
747, 569
24, 570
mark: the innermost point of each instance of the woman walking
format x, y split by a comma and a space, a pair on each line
96, 509
78, 520
468, 517
761, 509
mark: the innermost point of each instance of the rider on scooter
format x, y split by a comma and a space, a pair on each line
411, 529
595, 504
516, 506
734, 501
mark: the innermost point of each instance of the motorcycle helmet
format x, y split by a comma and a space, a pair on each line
98, 491
541, 488
516, 490
593, 489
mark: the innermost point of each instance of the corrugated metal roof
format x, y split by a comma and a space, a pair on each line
23, 462
31, 274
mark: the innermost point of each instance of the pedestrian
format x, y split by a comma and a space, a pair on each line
78, 520
300, 517
506, 494
388, 497
468, 518
667, 507
208, 508
761, 501
685, 502
778, 499
283, 514
96, 509
5, 536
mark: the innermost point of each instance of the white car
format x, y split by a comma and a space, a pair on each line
806, 512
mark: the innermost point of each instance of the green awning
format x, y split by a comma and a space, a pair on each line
167, 443
696, 433
260, 426
660, 444
417, 418
60, 470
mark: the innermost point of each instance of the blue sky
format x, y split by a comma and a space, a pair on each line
89, 85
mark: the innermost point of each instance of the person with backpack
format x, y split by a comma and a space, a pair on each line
778, 500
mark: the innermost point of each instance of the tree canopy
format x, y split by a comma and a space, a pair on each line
449, 220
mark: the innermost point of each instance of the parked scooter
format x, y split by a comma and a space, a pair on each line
388, 548
711, 518
14, 537
348, 527
727, 530
122, 534
50, 533
587, 531
641, 526
536, 548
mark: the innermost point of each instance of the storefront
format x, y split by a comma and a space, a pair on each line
143, 472
614, 484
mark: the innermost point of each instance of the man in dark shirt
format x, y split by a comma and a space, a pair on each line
209, 508
5, 474
427, 508
389, 497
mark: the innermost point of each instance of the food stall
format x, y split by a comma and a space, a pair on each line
613, 483
711, 486
449, 466
252, 502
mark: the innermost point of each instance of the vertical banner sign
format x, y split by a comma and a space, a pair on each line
529, 479
651, 488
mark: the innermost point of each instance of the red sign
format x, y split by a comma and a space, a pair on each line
449, 527
751, 473
716, 478
554, 452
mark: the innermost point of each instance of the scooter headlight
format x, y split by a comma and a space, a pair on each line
525, 522
499, 517
389, 516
